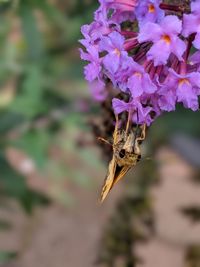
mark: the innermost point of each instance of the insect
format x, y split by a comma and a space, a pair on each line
126, 154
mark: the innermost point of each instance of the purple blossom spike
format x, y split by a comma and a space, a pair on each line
149, 51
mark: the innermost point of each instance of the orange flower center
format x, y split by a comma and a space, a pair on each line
117, 52
151, 8
166, 38
182, 81
138, 74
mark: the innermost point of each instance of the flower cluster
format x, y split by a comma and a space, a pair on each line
147, 49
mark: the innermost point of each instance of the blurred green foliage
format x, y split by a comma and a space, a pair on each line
40, 76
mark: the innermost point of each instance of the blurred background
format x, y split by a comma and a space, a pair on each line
51, 170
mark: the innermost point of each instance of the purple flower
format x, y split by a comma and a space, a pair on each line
140, 114
167, 99
120, 78
191, 23
93, 32
98, 90
139, 81
165, 39
186, 87
114, 45
149, 11
92, 70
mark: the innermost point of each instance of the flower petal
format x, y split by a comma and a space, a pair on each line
196, 42
171, 24
117, 40
119, 106
148, 86
195, 78
178, 47
149, 32
111, 62
84, 55
187, 96
159, 53
167, 101
106, 44
194, 58
91, 71
195, 7
98, 90
135, 85
190, 24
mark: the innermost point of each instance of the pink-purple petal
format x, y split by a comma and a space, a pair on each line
91, 71
159, 53
195, 7
149, 32
171, 24
98, 90
148, 86
111, 62
119, 106
135, 85
195, 78
178, 48
186, 95
190, 24
196, 41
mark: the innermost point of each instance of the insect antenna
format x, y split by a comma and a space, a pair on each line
137, 127
128, 121
104, 141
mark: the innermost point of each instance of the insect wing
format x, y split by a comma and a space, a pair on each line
108, 183
115, 174
121, 174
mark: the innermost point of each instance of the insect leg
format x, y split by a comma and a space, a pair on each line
143, 133
116, 129
139, 139
128, 122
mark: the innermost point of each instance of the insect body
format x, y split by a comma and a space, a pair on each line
126, 154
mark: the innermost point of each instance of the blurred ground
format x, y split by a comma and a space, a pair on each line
174, 232
56, 235
60, 236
